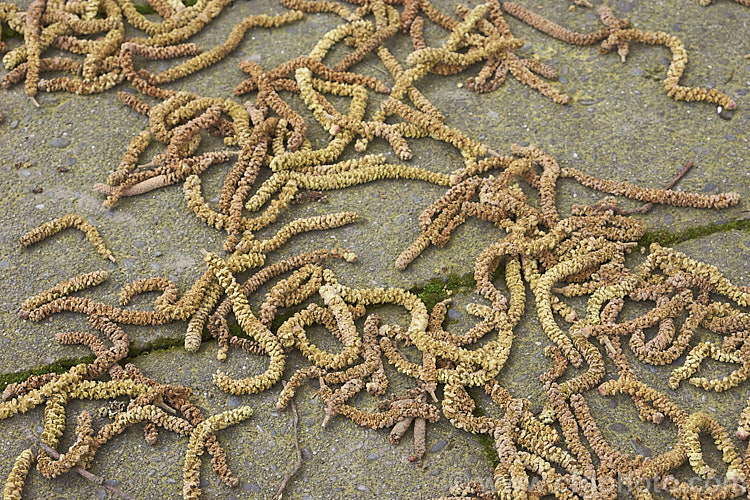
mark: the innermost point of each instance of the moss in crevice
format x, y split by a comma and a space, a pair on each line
9, 32
430, 293
488, 444
63, 365
499, 272
159, 344
438, 289
60, 366
667, 239
145, 9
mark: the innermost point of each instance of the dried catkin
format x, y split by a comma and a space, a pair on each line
54, 226
541, 253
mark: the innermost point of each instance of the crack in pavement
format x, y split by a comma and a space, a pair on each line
160, 344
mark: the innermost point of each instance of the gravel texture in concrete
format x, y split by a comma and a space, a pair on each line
619, 125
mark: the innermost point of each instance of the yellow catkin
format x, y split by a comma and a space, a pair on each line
197, 443
552, 254
71, 220
17, 477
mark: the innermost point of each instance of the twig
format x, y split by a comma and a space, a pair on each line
80, 470
648, 206
297, 466
159, 402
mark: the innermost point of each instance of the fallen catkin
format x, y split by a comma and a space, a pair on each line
71, 220
197, 444
570, 268
17, 477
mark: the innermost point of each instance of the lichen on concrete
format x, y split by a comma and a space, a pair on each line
620, 125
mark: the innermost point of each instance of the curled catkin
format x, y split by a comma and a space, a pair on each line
80, 282
71, 220
197, 443
32, 34
541, 253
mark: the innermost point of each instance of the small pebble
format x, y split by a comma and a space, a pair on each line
439, 446
618, 427
624, 6
253, 488
60, 142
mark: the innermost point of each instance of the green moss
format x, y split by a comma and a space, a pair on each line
431, 292
9, 32
488, 444
499, 272
160, 344
655, 72
280, 318
668, 239
145, 9
437, 290
235, 329
458, 283
61, 366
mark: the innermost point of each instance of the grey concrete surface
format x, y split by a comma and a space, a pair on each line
620, 125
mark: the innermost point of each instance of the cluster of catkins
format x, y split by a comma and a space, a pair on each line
153, 404
540, 253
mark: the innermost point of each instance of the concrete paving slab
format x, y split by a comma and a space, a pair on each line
620, 125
